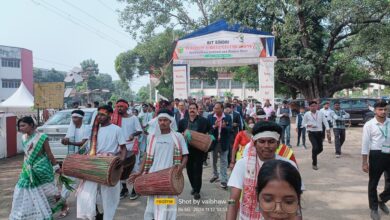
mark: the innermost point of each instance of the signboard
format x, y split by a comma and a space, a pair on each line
266, 80
180, 82
49, 95
222, 45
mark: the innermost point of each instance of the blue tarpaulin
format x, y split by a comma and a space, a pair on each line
222, 25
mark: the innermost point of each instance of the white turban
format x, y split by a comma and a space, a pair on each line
267, 134
154, 128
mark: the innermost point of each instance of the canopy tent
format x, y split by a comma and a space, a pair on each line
21, 100
219, 45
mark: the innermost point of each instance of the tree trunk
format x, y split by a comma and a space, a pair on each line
294, 93
307, 92
311, 92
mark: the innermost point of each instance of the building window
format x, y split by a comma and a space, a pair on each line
195, 84
10, 83
223, 83
207, 85
8, 62
236, 85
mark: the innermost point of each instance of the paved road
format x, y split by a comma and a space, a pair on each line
338, 190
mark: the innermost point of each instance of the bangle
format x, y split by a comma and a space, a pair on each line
56, 167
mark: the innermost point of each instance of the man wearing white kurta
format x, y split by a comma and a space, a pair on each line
131, 128
76, 139
164, 145
109, 141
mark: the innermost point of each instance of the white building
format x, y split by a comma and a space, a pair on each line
16, 66
224, 83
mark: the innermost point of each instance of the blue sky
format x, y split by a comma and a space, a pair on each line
62, 33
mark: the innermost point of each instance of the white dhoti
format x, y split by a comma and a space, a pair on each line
160, 212
86, 200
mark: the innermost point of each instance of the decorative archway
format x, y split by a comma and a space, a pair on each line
224, 45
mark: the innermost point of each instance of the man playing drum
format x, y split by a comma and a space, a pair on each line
106, 138
197, 123
166, 148
131, 129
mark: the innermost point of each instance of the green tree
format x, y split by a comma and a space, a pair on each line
51, 75
143, 94
123, 91
153, 56
322, 41
141, 18
324, 45
228, 94
89, 67
100, 81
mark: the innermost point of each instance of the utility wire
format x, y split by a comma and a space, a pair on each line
50, 61
106, 6
96, 19
68, 17
85, 24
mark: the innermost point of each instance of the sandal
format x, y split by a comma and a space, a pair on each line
64, 213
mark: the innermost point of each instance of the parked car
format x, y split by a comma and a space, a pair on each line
57, 126
358, 108
295, 104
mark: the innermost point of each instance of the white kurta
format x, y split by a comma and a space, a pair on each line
109, 139
75, 135
130, 126
163, 158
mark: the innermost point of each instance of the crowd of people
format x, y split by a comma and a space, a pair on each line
250, 139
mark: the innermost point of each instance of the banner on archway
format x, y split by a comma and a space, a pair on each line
224, 45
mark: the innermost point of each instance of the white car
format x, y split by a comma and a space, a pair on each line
278, 101
57, 126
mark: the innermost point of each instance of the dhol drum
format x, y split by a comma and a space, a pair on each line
105, 170
164, 182
128, 166
198, 140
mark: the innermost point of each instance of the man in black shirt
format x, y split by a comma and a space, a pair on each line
197, 123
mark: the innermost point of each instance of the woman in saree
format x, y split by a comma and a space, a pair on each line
35, 195
241, 140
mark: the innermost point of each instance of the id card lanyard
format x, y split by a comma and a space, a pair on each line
385, 132
385, 146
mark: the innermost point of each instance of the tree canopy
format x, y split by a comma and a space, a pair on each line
144, 18
89, 66
322, 46
51, 75
153, 56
